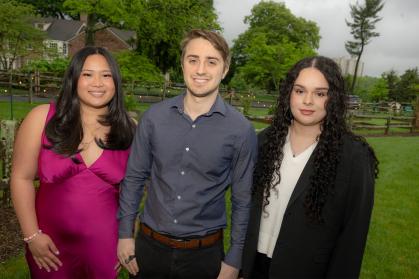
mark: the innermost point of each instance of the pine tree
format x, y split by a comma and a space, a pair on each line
364, 17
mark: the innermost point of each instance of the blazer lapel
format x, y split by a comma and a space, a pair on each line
304, 180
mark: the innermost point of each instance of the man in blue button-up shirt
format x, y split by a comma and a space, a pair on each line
192, 147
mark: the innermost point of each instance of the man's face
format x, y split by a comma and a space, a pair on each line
203, 68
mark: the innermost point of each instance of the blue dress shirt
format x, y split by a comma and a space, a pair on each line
190, 165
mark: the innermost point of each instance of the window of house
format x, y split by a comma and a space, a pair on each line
53, 45
64, 48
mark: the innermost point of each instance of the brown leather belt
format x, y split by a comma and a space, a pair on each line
177, 243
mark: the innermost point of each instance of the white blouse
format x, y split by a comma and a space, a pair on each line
291, 169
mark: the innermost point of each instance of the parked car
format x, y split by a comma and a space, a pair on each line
354, 102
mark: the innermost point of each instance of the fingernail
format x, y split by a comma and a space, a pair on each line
57, 253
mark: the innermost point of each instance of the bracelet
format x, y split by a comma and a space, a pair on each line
31, 237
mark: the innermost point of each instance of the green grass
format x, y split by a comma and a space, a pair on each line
20, 109
392, 244
14, 268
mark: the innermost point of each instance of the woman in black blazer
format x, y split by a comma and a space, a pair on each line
313, 184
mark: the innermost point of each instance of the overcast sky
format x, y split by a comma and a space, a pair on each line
397, 47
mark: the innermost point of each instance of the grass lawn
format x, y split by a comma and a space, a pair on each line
392, 245
20, 109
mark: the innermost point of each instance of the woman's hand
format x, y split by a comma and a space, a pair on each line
44, 252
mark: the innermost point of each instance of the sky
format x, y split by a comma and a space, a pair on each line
396, 48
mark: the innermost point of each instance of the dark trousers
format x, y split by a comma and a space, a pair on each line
157, 261
261, 267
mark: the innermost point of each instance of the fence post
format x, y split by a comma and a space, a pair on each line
387, 125
37, 83
7, 133
30, 88
350, 122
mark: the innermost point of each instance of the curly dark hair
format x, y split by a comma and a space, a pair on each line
65, 132
326, 154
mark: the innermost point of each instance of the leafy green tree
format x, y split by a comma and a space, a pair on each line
160, 26
274, 41
47, 8
379, 91
267, 64
18, 38
107, 12
364, 17
392, 79
57, 66
408, 84
136, 67
364, 87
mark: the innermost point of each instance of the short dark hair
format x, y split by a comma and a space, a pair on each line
65, 131
216, 40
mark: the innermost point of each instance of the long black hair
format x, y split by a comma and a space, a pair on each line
326, 154
65, 132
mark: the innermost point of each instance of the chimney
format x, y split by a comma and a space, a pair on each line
83, 17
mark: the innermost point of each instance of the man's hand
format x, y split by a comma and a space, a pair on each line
228, 272
126, 255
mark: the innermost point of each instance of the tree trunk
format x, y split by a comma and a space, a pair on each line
356, 69
90, 32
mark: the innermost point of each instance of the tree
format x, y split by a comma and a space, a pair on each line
18, 38
379, 91
274, 41
267, 64
408, 84
47, 8
136, 67
392, 80
107, 12
160, 26
364, 17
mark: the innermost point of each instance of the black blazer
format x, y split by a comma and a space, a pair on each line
330, 250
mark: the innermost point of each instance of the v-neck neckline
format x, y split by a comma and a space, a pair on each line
94, 162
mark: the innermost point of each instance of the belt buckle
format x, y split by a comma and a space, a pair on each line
174, 243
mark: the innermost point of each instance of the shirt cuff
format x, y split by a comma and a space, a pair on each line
125, 229
234, 257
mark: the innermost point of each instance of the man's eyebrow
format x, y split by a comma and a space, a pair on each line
212, 57
207, 57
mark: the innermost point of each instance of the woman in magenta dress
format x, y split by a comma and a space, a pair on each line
78, 147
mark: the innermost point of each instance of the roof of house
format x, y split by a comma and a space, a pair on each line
125, 35
64, 30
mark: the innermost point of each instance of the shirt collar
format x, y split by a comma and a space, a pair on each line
218, 106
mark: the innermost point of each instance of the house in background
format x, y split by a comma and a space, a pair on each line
66, 37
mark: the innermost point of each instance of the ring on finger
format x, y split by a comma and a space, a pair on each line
129, 259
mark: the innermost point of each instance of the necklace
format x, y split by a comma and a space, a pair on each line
91, 132
294, 154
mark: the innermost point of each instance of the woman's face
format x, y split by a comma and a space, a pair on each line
95, 87
308, 97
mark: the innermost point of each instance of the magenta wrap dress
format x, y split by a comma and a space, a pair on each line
76, 206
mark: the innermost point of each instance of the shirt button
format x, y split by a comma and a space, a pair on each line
182, 173
179, 197
187, 149
175, 221
193, 125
